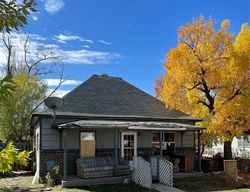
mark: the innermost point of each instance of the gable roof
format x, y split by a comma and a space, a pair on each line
102, 95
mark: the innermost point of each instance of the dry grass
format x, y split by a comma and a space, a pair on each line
201, 184
206, 183
24, 183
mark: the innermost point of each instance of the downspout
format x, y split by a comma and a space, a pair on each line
199, 150
116, 153
65, 154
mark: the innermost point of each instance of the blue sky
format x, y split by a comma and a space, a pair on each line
122, 38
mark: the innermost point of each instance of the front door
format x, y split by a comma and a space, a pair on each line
129, 145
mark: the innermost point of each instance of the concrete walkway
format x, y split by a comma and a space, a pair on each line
164, 188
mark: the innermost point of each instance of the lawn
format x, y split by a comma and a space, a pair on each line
201, 184
205, 183
23, 183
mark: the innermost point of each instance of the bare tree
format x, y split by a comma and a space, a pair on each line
36, 61
32, 59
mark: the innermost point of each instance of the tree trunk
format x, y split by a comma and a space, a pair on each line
228, 150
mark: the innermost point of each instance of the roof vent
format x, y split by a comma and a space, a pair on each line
104, 75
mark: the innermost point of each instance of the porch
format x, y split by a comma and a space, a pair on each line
127, 138
74, 181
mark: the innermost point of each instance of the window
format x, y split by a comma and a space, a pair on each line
87, 136
168, 143
168, 137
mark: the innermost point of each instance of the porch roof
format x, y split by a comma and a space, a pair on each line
131, 125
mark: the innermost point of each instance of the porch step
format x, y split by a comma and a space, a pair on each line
164, 188
74, 181
183, 175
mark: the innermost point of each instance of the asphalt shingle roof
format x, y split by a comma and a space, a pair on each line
105, 95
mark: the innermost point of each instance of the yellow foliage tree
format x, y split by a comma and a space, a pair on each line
207, 76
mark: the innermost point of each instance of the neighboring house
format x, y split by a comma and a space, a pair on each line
108, 117
240, 148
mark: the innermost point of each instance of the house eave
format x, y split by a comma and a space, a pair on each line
130, 125
84, 116
107, 116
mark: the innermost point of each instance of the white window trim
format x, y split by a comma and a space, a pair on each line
135, 142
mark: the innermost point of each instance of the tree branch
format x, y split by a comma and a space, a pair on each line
56, 88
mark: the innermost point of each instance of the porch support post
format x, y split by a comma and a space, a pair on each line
160, 143
60, 139
116, 152
182, 133
65, 154
199, 150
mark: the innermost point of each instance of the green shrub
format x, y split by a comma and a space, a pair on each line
53, 177
10, 155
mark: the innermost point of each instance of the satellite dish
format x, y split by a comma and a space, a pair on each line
53, 102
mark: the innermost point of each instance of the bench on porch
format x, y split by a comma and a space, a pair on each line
95, 167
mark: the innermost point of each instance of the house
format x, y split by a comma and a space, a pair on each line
108, 117
240, 148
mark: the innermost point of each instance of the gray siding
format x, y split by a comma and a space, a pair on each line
177, 139
188, 139
50, 137
73, 139
104, 138
35, 132
144, 139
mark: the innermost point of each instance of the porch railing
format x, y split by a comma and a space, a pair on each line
162, 169
158, 168
165, 172
142, 172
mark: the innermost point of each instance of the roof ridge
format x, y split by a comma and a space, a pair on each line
102, 75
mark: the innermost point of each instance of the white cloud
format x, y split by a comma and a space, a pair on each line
86, 46
84, 56
37, 37
55, 82
104, 42
17, 40
53, 6
68, 56
58, 92
62, 38
34, 17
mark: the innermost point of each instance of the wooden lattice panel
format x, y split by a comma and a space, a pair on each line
142, 172
165, 172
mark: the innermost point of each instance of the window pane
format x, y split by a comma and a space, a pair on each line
87, 136
156, 137
169, 137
